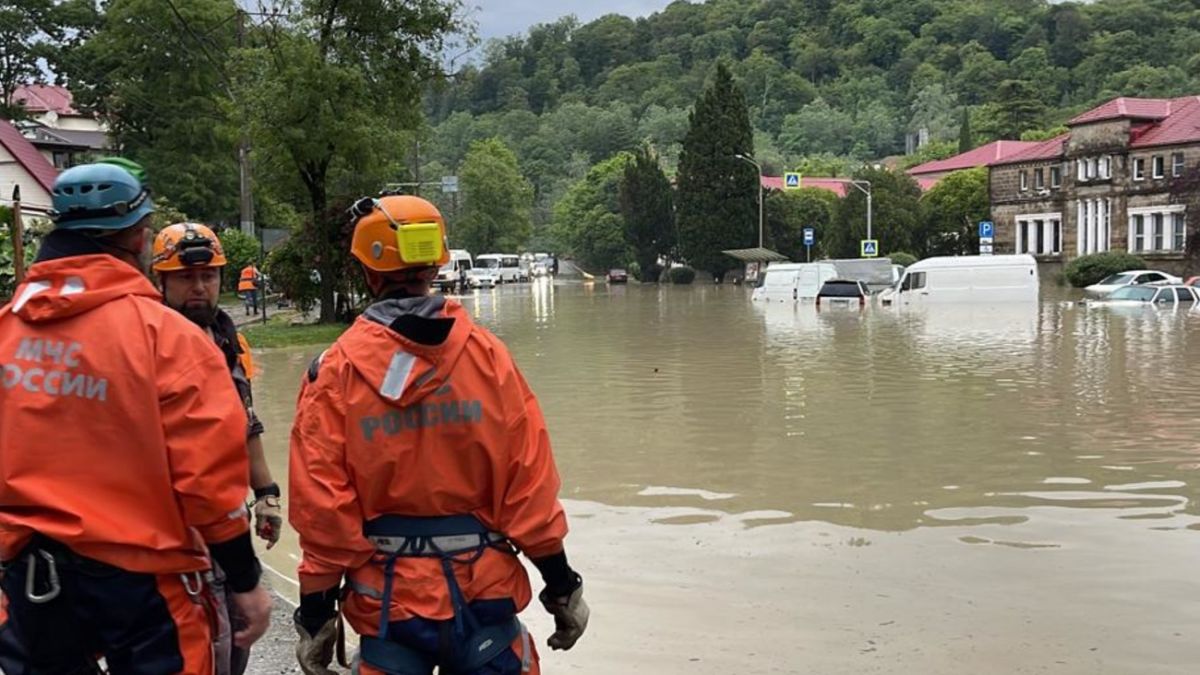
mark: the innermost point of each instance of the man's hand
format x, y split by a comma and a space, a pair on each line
570, 617
268, 520
252, 611
315, 652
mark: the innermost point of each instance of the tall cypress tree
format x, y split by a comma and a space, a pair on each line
717, 192
965, 141
647, 206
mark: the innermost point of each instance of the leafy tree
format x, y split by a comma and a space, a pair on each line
966, 140
158, 78
588, 219
718, 193
33, 30
789, 212
496, 200
950, 213
895, 214
930, 152
934, 109
647, 207
327, 89
1017, 110
817, 128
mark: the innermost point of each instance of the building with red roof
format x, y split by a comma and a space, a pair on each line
928, 174
22, 165
838, 186
54, 107
1125, 177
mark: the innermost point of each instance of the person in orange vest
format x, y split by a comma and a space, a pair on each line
122, 455
188, 259
249, 286
420, 466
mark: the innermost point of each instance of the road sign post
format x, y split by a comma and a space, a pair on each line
869, 248
987, 237
810, 238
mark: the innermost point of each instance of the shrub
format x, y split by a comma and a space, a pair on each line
1090, 269
650, 276
682, 275
291, 276
241, 249
902, 258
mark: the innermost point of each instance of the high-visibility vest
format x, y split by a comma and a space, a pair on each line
248, 281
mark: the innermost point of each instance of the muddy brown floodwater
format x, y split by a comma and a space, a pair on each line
776, 490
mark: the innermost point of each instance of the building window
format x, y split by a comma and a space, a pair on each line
1177, 164
1024, 181
1081, 171
1039, 234
62, 160
1139, 168
1094, 226
1105, 167
1055, 176
1158, 229
1157, 167
1039, 179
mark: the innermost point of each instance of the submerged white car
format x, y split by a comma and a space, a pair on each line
1164, 295
481, 277
1130, 278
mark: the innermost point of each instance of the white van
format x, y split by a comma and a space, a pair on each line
448, 274
976, 279
505, 266
792, 282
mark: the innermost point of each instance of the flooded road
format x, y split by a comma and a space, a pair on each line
775, 490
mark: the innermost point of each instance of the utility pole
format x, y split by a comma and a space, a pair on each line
247, 198
866, 191
18, 237
758, 169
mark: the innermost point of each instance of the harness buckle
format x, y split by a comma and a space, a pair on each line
193, 583
31, 578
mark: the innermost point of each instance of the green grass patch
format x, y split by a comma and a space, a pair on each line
282, 334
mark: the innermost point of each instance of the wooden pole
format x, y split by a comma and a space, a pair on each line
18, 237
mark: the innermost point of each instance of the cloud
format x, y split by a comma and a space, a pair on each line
501, 18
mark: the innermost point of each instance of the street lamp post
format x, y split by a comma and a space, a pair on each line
757, 167
866, 191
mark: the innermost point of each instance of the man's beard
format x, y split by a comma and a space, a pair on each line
203, 316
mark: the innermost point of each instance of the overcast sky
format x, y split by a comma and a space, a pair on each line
501, 18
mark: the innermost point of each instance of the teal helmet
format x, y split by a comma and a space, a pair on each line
103, 196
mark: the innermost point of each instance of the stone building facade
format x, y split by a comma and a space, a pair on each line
1126, 177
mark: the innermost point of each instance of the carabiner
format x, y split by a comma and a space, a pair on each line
31, 578
190, 578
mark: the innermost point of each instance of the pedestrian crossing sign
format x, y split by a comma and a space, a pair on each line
791, 180
870, 248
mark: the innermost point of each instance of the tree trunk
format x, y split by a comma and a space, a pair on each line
314, 180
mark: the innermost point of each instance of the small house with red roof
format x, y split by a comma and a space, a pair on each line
1125, 177
22, 165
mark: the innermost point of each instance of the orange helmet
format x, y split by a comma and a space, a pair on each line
398, 232
187, 246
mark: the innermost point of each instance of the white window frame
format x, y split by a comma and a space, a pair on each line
1039, 178
1167, 212
1139, 168
1093, 226
1051, 224
1055, 184
1158, 167
1105, 167
1178, 164
1024, 181
1081, 171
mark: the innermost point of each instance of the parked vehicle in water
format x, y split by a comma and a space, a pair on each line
793, 282
448, 275
843, 294
505, 266
1192, 281
978, 279
1158, 295
1130, 278
617, 276
480, 277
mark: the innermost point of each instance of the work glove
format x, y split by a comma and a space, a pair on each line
570, 614
268, 519
315, 653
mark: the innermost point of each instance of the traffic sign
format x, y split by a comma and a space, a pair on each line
985, 249
870, 248
449, 183
986, 229
810, 236
791, 180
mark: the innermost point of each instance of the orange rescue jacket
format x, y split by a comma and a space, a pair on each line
385, 425
248, 279
121, 433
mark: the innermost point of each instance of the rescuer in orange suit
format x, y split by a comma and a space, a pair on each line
189, 259
122, 454
420, 466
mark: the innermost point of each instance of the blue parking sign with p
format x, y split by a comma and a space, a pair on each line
986, 229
